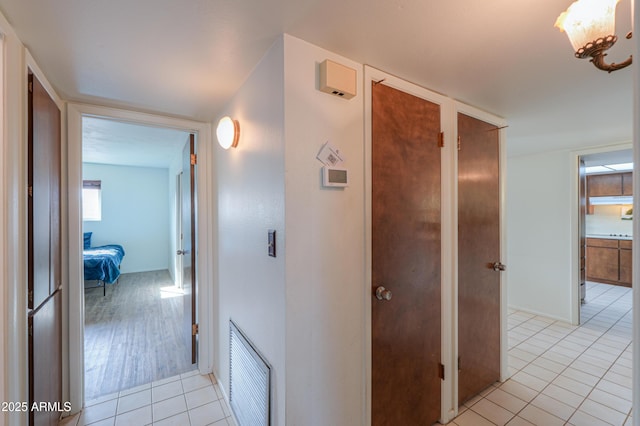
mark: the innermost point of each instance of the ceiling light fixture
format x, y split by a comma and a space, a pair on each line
590, 26
228, 132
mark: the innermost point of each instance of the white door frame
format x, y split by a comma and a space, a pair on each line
206, 221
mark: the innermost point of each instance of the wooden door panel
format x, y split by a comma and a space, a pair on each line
45, 359
582, 227
405, 258
44, 189
478, 249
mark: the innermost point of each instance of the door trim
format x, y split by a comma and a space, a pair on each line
207, 214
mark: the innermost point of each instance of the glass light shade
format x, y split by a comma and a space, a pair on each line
228, 132
585, 21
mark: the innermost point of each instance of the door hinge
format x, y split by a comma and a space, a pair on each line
194, 159
30, 329
459, 364
30, 295
441, 370
194, 329
441, 140
31, 87
458, 143
30, 191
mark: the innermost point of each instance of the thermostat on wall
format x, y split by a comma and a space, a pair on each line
334, 177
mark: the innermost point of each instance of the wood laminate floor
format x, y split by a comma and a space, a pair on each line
134, 334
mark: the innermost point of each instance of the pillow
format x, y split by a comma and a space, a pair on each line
87, 239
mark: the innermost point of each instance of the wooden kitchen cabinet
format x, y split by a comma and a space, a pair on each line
627, 183
626, 261
609, 261
603, 264
604, 185
611, 184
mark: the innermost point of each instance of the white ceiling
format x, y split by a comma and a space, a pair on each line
187, 58
127, 144
611, 157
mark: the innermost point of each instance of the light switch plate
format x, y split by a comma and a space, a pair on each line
272, 242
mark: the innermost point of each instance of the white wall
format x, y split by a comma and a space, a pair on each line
135, 214
538, 233
304, 310
608, 220
324, 247
13, 344
251, 197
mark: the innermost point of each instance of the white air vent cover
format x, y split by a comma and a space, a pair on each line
249, 377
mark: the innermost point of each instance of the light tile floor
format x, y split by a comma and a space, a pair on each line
560, 375
186, 399
563, 374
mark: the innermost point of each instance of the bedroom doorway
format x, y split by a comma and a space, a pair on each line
139, 307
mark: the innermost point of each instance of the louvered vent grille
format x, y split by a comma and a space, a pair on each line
249, 376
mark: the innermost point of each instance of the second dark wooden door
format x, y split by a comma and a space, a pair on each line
44, 254
405, 258
478, 250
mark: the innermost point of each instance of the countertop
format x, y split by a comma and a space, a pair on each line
610, 237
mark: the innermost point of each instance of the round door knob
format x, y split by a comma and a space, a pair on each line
499, 266
383, 294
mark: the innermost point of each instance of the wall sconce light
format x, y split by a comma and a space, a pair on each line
228, 132
590, 26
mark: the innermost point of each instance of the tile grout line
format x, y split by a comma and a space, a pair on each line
574, 359
535, 333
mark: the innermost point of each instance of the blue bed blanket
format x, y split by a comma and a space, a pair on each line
103, 263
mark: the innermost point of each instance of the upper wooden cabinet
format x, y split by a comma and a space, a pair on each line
611, 184
627, 183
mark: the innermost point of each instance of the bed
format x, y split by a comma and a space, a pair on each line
102, 264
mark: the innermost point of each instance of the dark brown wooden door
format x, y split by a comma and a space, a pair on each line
405, 258
44, 253
478, 250
189, 245
582, 228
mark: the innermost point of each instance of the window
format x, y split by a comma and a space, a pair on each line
91, 200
